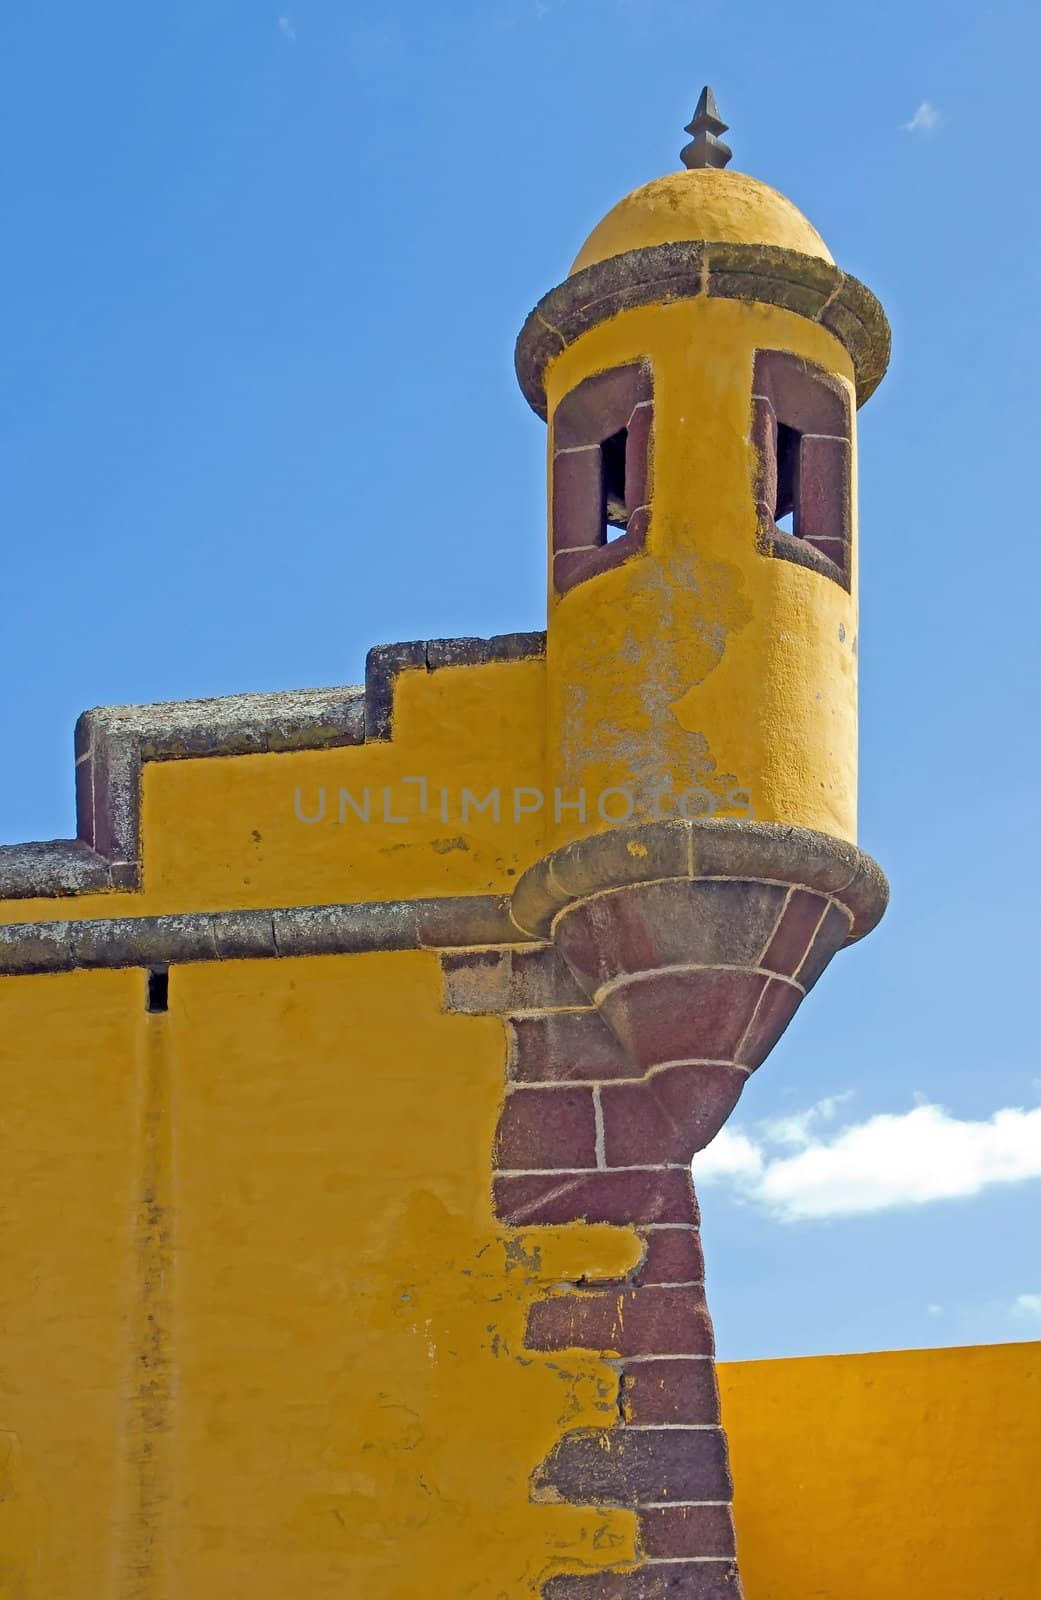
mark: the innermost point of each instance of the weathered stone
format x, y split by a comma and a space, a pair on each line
672, 1115
671, 1255
54, 867
679, 922
671, 1392
656, 1320
464, 920
546, 1127
767, 274
345, 930
599, 406
383, 665
680, 1580
143, 941
632, 1466
244, 935
677, 1531
830, 937
506, 980
36, 947
577, 512
565, 1047
622, 1198
698, 1015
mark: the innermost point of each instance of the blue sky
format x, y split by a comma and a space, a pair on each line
263, 267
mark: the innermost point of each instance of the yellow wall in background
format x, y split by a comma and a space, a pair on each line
906, 1474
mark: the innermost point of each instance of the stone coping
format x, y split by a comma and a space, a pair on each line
766, 274
727, 848
446, 923
114, 742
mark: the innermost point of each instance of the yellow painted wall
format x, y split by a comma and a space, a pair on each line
357, 1416
261, 1330
912, 1473
704, 661
70, 1051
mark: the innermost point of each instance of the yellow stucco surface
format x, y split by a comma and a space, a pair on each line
708, 203
68, 1137
703, 662
911, 1473
261, 1331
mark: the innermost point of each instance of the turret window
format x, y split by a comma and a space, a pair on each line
601, 473
801, 429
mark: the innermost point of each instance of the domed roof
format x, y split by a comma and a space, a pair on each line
703, 203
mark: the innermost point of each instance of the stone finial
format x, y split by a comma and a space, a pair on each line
705, 148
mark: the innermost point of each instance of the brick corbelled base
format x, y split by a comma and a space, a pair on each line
696, 943
670, 958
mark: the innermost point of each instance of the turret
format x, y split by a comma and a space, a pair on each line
700, 370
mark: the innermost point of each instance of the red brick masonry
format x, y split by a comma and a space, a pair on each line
666, 1457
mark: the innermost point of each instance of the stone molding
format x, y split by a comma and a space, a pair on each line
766, 274
727, 848
113, 743
445, 923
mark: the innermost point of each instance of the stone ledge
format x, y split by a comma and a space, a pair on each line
51, 867
435, 924
726, 848
765, 274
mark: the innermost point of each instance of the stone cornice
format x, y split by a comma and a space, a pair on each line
806, 285
726, 848
450, 922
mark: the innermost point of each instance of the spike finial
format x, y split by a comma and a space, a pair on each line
706, 149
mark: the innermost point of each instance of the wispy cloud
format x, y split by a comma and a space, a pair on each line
287, 28
925, 120
797, 1171
1027, 1305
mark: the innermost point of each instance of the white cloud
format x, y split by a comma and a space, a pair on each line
797, 1129
1027, 1305
887, 1161
936, 1311
287, 29
925, 120
730, 1155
